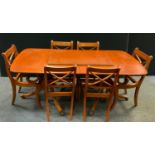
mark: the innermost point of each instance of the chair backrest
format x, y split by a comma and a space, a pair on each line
88, 45
102, 77
9, 57
142, 57
59, 77
61, 44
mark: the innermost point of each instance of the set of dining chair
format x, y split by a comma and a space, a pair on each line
62, 81
80, 45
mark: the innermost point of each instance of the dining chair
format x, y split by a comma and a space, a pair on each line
12, 58
61, 44
15, 80
56, 78
88, 45
132, 82
101, 82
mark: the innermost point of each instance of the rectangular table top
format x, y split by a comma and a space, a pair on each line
33, 60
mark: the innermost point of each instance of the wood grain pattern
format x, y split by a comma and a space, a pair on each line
33, 60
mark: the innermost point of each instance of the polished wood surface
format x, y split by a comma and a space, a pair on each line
33, 60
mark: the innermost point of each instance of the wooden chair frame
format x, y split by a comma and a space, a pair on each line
131, 82
61, 44
59, 77
9, 56
86, 45
101, 79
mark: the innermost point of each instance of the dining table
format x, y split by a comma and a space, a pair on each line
33, 61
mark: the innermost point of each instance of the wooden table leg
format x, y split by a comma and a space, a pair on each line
93, 108
122, 98
26, 95
58, 107
56, 103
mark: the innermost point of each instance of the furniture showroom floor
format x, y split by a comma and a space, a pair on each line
26, 110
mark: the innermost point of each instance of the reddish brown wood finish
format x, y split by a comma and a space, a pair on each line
130, 82
88, 45
33, 60
61, 44
9, 56
96, 82
59, 77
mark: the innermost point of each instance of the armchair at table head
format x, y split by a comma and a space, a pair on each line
9, 57
129, 81
142, 57
17, 80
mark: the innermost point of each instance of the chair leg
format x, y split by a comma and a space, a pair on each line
107, 116
84, 109
13, 93
19, 90
136, 96
38, 99
71, 107
137, 91
109, 107
107, 113
115, 100
47, 111
93, 108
